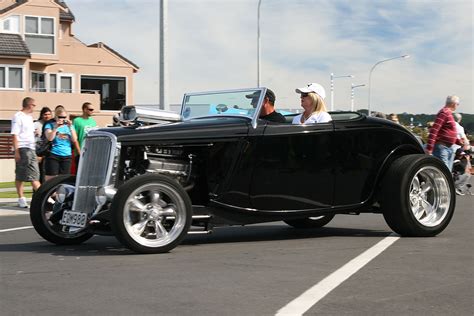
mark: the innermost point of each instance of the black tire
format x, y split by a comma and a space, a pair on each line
151, 214
310, 222
418, 197
45, 216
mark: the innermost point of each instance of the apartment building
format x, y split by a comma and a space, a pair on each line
40, 57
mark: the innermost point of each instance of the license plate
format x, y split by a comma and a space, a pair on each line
74, 219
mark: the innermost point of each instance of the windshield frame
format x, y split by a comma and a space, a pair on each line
258, 108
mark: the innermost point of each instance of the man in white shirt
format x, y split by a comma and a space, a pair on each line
460, 133
23, 131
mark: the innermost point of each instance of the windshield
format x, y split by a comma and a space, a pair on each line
230, 102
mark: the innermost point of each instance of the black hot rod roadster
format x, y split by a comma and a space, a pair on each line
218, 164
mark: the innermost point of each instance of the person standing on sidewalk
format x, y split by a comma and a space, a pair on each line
443, 134
26, 165
83, 124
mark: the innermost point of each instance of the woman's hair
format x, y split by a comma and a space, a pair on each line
58, 111
45, 109
317, 102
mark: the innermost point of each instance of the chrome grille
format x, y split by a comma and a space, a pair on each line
95, 169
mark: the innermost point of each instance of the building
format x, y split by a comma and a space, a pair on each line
40, 57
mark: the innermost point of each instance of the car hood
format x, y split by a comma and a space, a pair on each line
196, 129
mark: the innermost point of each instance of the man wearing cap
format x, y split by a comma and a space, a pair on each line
312, 101
267, 111
443, 134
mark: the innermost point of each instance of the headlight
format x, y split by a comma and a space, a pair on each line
63, 192
104, 195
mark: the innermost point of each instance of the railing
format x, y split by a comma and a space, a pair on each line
6, 146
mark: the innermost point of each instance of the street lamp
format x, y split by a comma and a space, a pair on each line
332, 87
352, 94
372, 69
163, 55
258, 43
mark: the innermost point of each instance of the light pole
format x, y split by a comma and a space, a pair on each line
352, 94
370, 75
163, 55
332, 87
258, 43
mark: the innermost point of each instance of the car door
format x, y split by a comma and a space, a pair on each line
293, 168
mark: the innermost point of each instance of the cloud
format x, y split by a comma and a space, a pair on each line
212, 45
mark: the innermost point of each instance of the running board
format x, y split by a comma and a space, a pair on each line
207, 229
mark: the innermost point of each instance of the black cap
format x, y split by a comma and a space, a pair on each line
269, 94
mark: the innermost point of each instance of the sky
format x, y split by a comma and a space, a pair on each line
212, 45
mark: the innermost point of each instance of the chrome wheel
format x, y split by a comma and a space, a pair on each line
429, 196
154, 215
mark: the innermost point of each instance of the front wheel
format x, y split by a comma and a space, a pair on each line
418, 196
45, 214
310, 222
151, 214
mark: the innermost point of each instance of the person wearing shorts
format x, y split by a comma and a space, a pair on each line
26, 165
63, 136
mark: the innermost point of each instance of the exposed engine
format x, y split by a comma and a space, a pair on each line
173, 162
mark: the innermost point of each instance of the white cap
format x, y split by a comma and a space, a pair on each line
313, 87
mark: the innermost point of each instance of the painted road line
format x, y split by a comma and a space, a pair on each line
305, 301
13, 229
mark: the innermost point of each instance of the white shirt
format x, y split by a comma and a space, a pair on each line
460, 135
316, 117
24, 129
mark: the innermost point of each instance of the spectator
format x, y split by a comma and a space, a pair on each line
443, 133
312, 101
461, 135
462, 172
45, 116
394, 118
84, 123
26, 168
380, 115
63, 136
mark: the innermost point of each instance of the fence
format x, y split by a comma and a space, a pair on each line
6, 146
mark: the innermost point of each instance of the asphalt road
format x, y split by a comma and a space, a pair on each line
253, 270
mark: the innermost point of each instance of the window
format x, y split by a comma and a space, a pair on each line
66, 84
11, 77
53, 83
113, 93
11, 24
39, 34
38, 82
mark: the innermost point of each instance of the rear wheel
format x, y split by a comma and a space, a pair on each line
418, 196
151, 214
45, 213
310, 222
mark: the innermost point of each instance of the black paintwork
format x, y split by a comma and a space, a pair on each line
281, 170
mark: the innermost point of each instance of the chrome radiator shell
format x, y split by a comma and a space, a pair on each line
95, 169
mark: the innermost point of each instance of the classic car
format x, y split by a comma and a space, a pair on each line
216, 164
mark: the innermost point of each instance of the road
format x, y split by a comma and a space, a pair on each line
253, 270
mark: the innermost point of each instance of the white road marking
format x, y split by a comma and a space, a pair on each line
305, 301
13, 229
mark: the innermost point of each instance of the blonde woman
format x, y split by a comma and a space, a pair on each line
312, 101
63, 136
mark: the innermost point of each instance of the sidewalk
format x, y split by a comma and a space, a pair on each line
9, 206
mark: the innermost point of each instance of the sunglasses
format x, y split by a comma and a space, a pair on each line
62, 117
90, 110
304, 95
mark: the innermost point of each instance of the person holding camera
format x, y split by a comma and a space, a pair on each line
63, 137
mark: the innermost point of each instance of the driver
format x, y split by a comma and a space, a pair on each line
267, 112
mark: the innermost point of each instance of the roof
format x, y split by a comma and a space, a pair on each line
13, 45
114, 52
64, 15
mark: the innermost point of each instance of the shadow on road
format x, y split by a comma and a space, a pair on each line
105, 245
